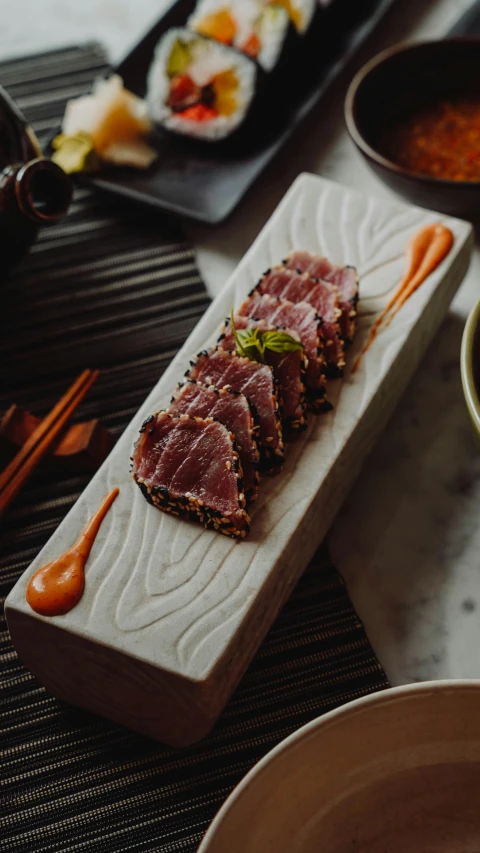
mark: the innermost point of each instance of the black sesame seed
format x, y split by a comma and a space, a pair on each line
148, 420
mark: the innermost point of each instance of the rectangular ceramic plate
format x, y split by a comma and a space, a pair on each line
206, 182
172, 613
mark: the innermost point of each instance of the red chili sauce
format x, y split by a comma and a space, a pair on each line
441, 140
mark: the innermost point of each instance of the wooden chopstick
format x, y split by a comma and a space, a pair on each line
42, 429
24, 463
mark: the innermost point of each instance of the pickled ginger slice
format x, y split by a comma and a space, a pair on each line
114, 119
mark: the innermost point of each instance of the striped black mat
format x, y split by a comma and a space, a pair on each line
116, 287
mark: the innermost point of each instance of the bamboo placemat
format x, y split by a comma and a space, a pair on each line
116, 287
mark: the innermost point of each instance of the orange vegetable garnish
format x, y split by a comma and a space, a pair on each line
225, 86
252, 45
219, 25
199, 112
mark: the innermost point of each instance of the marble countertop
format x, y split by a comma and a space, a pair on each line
406, 539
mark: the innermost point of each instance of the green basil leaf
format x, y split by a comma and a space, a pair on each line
237, 338
281, 342
247, 342
252, 343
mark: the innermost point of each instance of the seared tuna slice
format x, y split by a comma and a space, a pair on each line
257, 382
189, 466
288, 367
304, 320
346, 279
230, 408
321, 295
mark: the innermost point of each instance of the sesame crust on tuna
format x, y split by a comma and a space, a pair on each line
251, 493
352, 326
314, 395
335, 371
333, 368
318, 404
187, 505
271, 460
293, 423
348, 320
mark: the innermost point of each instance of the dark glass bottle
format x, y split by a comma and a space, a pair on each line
33, 190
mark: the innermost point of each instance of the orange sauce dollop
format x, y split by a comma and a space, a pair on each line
57, 587
425, 250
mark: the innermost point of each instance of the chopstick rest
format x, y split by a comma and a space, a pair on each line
83, 447
42, 439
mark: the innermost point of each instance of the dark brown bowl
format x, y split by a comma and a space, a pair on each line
397, 82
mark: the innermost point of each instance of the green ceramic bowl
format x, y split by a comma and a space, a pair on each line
470, 367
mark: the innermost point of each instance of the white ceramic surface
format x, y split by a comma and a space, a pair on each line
192, 605
393, 772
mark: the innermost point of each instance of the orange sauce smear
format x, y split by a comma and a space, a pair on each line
442, 140
425, 250
57, 587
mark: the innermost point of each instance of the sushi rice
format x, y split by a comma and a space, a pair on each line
184, 54
252, 26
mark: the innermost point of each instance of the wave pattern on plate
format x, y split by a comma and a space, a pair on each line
176, 594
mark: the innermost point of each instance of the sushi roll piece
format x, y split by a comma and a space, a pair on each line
321, 295
230, 408
300, 12
199, 87
257, 381
189, 466
288, 367
257, 29
304, 320
345, 278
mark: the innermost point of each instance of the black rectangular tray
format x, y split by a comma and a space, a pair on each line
206, 181
469, 23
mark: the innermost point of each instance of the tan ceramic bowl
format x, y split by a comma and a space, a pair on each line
470, 367
396, 772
